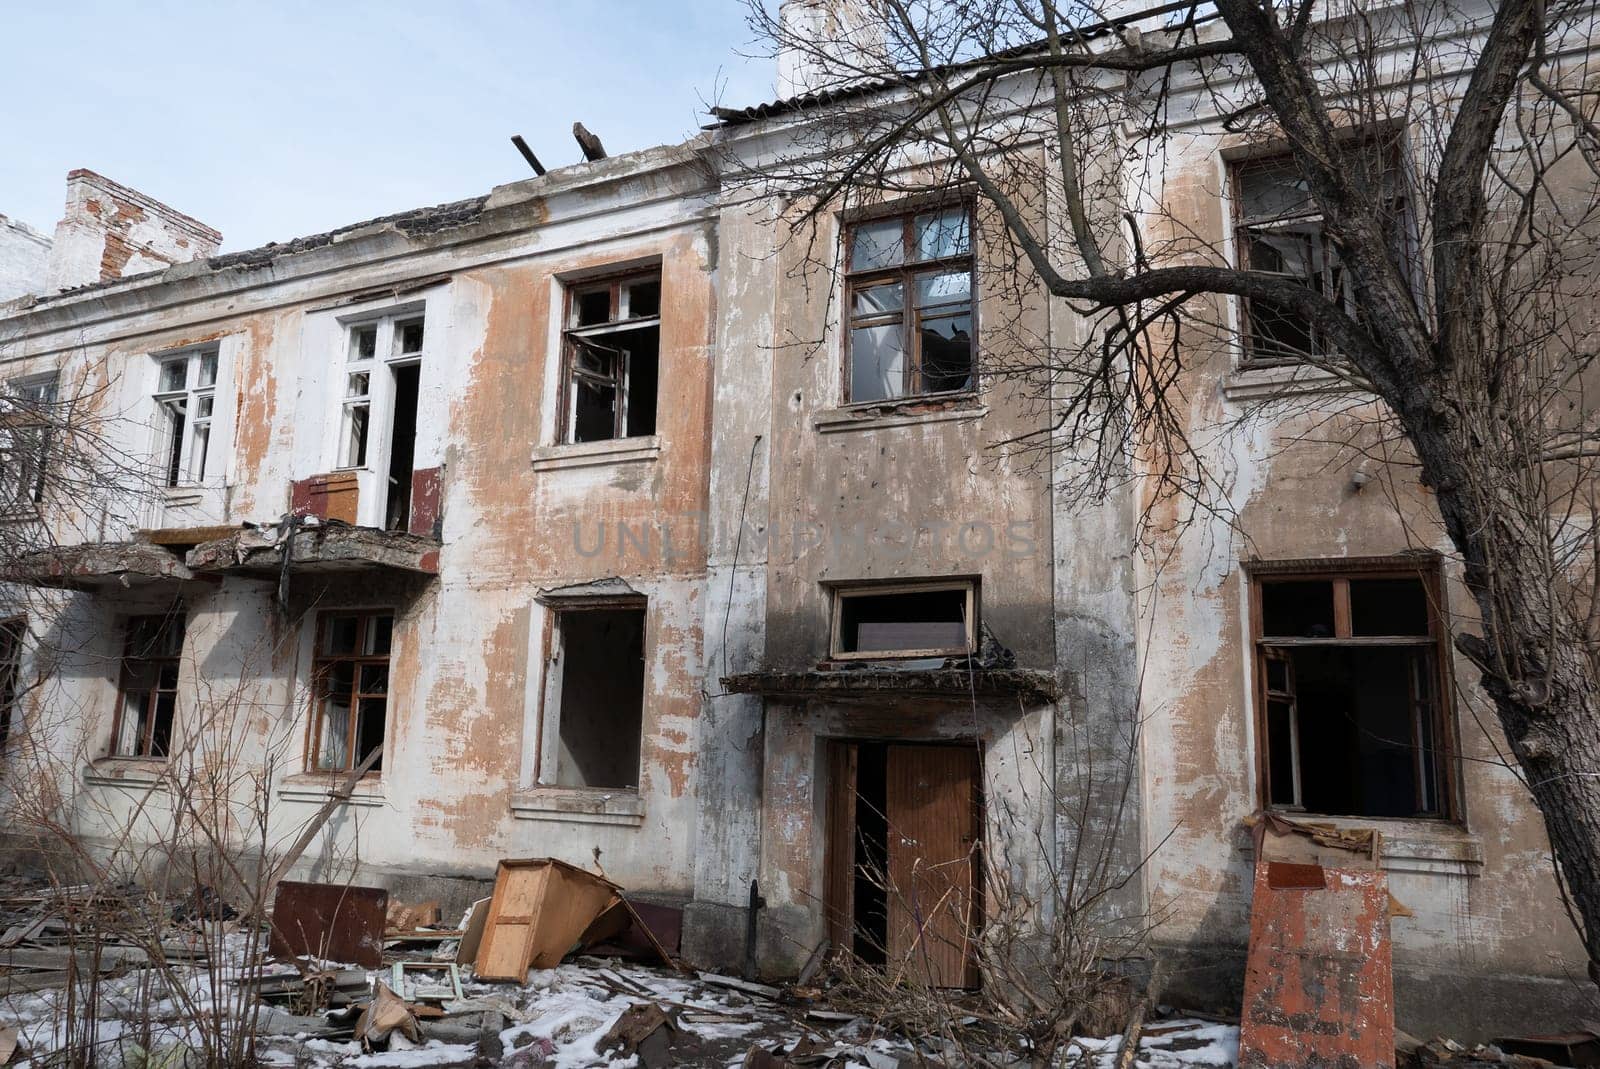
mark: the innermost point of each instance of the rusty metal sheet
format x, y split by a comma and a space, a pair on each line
426, 519
1319, 983
331, 921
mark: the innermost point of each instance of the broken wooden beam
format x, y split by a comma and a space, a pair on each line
592, 148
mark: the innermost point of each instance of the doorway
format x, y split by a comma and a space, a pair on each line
903, 857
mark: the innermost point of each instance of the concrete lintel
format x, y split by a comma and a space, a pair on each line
330, 547
1032, 686
98, 566
599, 589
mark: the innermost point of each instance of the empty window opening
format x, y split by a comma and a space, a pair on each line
148, 692
612, 354
601, 705
351, 679
1349, 675
402, 446
919, 620
11, 635
1278, 229
25, 439
186, 398
909, 291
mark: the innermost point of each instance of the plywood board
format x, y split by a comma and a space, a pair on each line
840, 848
932, 794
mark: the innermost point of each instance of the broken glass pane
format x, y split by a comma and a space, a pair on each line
340, 634
946, 353
875, 245
379, 634
644, 299
943, 288
174, 375
408, 336
358, 384
592, 307
364, 342
876, 300
594, 413
942, 234
877, 362
208, 369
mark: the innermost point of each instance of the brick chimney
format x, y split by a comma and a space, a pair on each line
844, 37
110, 231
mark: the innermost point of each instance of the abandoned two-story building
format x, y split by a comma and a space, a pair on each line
529, 512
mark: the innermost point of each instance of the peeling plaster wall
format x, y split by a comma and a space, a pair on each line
24, 257
1483, 932
459, 785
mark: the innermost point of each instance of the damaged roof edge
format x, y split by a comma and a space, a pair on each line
502, 202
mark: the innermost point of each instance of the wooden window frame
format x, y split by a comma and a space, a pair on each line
906, 273
841, 592
1389, 144
13, 634
322, 662
1339, 572
571, 333
29, 426
145, 744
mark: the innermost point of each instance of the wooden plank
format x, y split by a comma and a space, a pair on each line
840, 849
931, 795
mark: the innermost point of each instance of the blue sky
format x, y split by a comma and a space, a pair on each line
275, 119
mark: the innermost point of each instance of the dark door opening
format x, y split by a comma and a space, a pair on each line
402, 447
903, 857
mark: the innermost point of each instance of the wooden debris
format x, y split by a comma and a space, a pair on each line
745, 986
387, 1014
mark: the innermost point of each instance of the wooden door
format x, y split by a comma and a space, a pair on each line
932, 809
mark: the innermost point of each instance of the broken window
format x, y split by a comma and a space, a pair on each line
596, 689
1278, 229
186, 396
25, 433
148, 694
909, 293
612, 347
350, 677
383, 374
12, 633
1349, 672
913, 620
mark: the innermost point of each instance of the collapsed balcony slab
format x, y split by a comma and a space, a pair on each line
324, 548
98, 566
1033, 687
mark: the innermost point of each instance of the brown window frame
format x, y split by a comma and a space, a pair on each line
130, 629
843, 591
1325, 250
322, 662
13, 633
571, 332
910, 317
1340, 572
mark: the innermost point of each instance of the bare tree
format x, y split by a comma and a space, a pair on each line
1448, 153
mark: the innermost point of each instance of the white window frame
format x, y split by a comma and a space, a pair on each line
177, 463
27, 395
378, 400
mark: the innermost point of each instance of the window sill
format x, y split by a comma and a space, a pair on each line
317, 788
1281, 380
642, 450
905, 412
134, 773
579, 805
1420, 847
